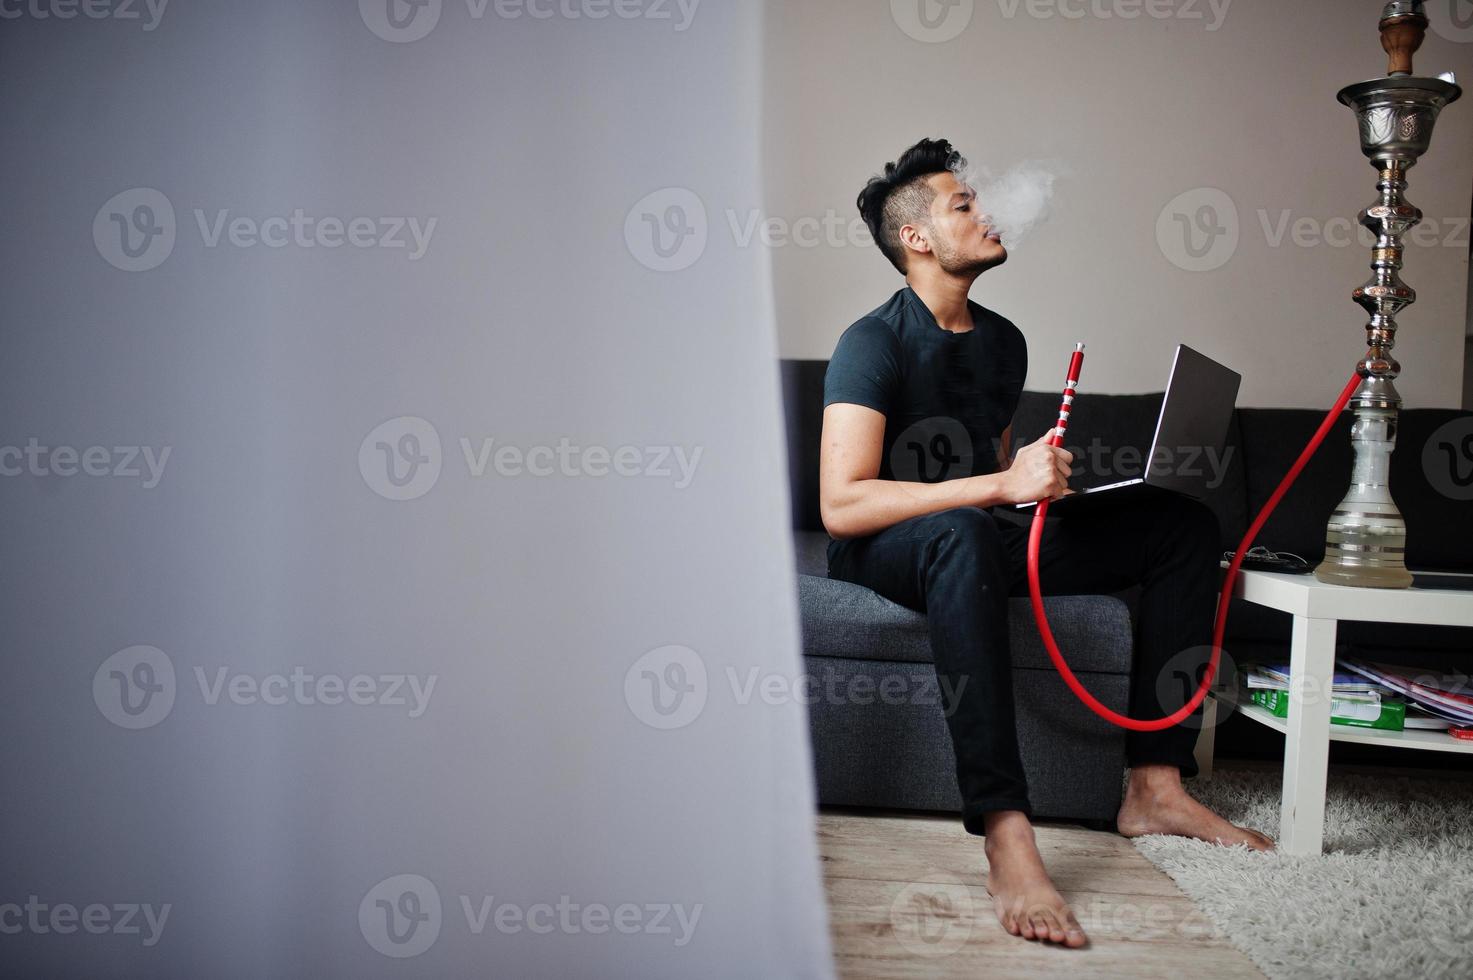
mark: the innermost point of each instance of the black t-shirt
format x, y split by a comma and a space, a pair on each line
946, 397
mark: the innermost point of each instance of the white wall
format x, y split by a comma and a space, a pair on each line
1139, 111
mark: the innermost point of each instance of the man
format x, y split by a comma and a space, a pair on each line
917, 395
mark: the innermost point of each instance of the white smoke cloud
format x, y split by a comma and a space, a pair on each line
1014, 202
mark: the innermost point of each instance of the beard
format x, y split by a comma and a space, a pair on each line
956, 264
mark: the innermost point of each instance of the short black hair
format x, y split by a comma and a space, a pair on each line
900, 196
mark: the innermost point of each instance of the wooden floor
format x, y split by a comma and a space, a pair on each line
907, 898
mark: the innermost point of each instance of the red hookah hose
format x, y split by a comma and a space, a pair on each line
1035, 537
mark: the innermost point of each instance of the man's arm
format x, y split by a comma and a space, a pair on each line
854, 502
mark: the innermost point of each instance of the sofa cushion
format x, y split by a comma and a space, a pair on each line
1426, 471
841, 619
802, 384
812, 552
1273, 439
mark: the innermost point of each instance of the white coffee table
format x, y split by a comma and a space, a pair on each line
1317, 609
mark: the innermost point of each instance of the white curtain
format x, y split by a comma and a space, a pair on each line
423, 641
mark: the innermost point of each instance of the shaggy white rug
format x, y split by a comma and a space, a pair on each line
1391, 897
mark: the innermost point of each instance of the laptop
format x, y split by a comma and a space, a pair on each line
1191, 434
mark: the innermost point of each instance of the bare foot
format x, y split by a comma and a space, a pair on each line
1026, 901
1157, 803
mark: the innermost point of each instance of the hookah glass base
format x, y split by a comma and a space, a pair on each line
1365, 543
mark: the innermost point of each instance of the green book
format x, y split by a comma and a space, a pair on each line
1389, 715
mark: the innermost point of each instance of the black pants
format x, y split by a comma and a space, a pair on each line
960, 567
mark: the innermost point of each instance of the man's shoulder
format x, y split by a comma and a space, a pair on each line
883, 324
871, 330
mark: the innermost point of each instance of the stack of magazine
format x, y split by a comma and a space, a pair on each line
1443, 700
1367, 694
1355, 700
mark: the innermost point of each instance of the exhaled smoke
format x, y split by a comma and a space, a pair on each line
1013, 203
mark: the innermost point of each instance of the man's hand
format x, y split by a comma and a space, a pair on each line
1039, 472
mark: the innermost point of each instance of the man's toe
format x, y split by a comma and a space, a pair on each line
1039, 922
1263, 839
1055, 927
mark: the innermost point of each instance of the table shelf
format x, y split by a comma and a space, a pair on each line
1411, 738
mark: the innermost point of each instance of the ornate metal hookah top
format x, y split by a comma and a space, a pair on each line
1366, 538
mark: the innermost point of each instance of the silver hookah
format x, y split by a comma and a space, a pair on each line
1365, 543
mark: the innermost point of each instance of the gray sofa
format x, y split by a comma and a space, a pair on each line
877, 719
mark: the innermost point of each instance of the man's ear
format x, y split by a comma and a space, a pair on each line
914, 237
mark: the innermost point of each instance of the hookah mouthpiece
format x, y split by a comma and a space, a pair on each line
1071, 384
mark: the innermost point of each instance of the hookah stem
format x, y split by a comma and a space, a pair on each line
1035, 538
